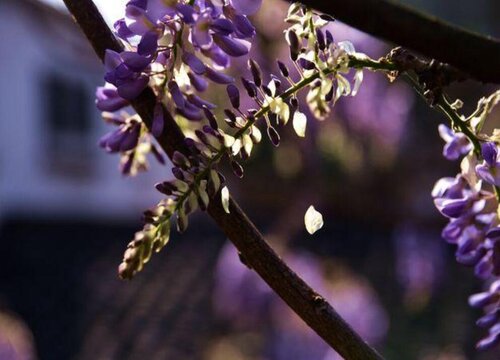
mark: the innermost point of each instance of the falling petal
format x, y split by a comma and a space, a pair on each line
299, 123
313, 220
225, 198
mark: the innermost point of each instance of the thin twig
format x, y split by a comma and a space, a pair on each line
310, 306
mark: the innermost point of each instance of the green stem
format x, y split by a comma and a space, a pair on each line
262, 111
446, 109
366, 62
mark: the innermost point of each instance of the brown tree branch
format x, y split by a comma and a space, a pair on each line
310, 306
476, 55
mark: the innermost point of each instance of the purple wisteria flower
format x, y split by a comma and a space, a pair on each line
457, 144
474, 223
490, 301
471, 219
122, 139
125, 71
107, 99
489, 170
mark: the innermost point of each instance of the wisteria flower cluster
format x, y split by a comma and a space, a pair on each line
178, 48
181, 47
471, 203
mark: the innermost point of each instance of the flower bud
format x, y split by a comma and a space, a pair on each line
234, 95
250, 87
283, 69
256, 72
211, 118
294, 42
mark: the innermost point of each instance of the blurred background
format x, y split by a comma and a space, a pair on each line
66, 215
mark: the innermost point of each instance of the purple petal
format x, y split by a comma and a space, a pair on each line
111, 60
481, 299
218, 77
256, 72
453, 230
329, 37
124, 73
250, 87
452, 208
122, 30
471, 259
489, 319
489, 152
306, 64
445, 132
108, 99
132, 89
176, 94
484, 268
137, 20
199, 102
234, 95
489, 342
222, 26
186, 12
148, 44
211, 118
134, 61
493, 233
217, 55
198, 82
231, 46
244, 27
130, 139
191, 112
194, 63
200, 36
489, 174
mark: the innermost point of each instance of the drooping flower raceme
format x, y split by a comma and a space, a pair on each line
178, 48
471, 203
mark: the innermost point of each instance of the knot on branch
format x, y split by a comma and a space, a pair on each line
321, 306
432, 74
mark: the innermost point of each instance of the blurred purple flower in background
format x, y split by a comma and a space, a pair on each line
16, 341
241, 296
419, 264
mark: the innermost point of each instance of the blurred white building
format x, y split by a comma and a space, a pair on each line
50, 164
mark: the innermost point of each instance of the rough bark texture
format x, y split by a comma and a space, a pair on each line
310, 306
476, 55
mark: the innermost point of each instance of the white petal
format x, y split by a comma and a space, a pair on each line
228, 140
358, 79
313, 220
284, 113
247, 144
272, 87
299, 123
235, 149
256, 134
225, 198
